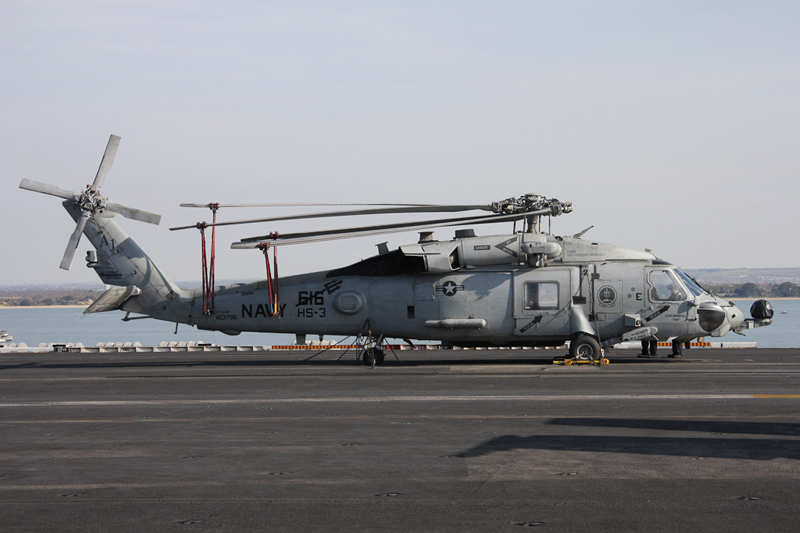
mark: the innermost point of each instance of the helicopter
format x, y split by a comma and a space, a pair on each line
527, 288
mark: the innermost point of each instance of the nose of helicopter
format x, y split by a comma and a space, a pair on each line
734, 316
719, 317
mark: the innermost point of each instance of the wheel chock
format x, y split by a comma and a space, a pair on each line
567, 362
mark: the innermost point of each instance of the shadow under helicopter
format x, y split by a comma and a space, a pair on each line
720, 446
717, 427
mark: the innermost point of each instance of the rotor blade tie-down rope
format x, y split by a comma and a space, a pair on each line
272, 276
212, 268
265, 248
209, 266
202, 227
275, 286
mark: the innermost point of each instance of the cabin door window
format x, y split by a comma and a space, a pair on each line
541, 296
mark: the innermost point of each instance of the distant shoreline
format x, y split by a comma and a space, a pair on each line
43, 306
761, 298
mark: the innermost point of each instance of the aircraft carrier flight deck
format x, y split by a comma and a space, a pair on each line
429, 441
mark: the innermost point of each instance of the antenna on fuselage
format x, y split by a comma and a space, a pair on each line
581, 233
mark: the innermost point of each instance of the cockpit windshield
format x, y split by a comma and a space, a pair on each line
693, 287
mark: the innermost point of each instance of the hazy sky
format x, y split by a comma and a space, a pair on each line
670, 125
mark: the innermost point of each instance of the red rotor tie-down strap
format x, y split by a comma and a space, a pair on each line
204, 265
275, 285
209, 267
265, 248
212, 268
272, 276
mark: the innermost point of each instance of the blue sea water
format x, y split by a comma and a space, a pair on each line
57, 325
784, 331
64, 325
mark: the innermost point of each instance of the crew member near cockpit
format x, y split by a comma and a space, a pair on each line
676, 295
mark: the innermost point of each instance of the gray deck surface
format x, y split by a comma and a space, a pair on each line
437, 441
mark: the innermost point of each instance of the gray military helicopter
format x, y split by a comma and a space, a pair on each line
526, 288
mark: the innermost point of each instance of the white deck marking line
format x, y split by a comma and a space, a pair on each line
360, 399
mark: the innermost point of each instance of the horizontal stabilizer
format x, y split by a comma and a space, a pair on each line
113, 299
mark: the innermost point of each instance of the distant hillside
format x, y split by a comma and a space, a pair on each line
738, 276
97, 286
47, 296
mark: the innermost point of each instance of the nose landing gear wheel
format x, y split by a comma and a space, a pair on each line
585, 348
373, 356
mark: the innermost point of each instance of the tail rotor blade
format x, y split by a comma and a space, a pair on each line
133, 213
108, 160
44, 188
74, 239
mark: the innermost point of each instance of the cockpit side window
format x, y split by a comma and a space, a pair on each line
541, 296
664, 286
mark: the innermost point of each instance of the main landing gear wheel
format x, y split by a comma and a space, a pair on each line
373, 356
585, 348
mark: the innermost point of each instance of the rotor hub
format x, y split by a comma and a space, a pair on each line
531, 202
90, 200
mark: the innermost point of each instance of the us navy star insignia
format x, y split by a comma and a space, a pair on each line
449, 288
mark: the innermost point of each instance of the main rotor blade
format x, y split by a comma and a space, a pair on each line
133, 213
44, 188
108, 160
362, 231
421, 208
74, 239
207, 205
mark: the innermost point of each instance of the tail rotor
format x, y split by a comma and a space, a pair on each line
90, 201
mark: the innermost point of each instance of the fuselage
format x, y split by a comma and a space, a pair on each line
583, 287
